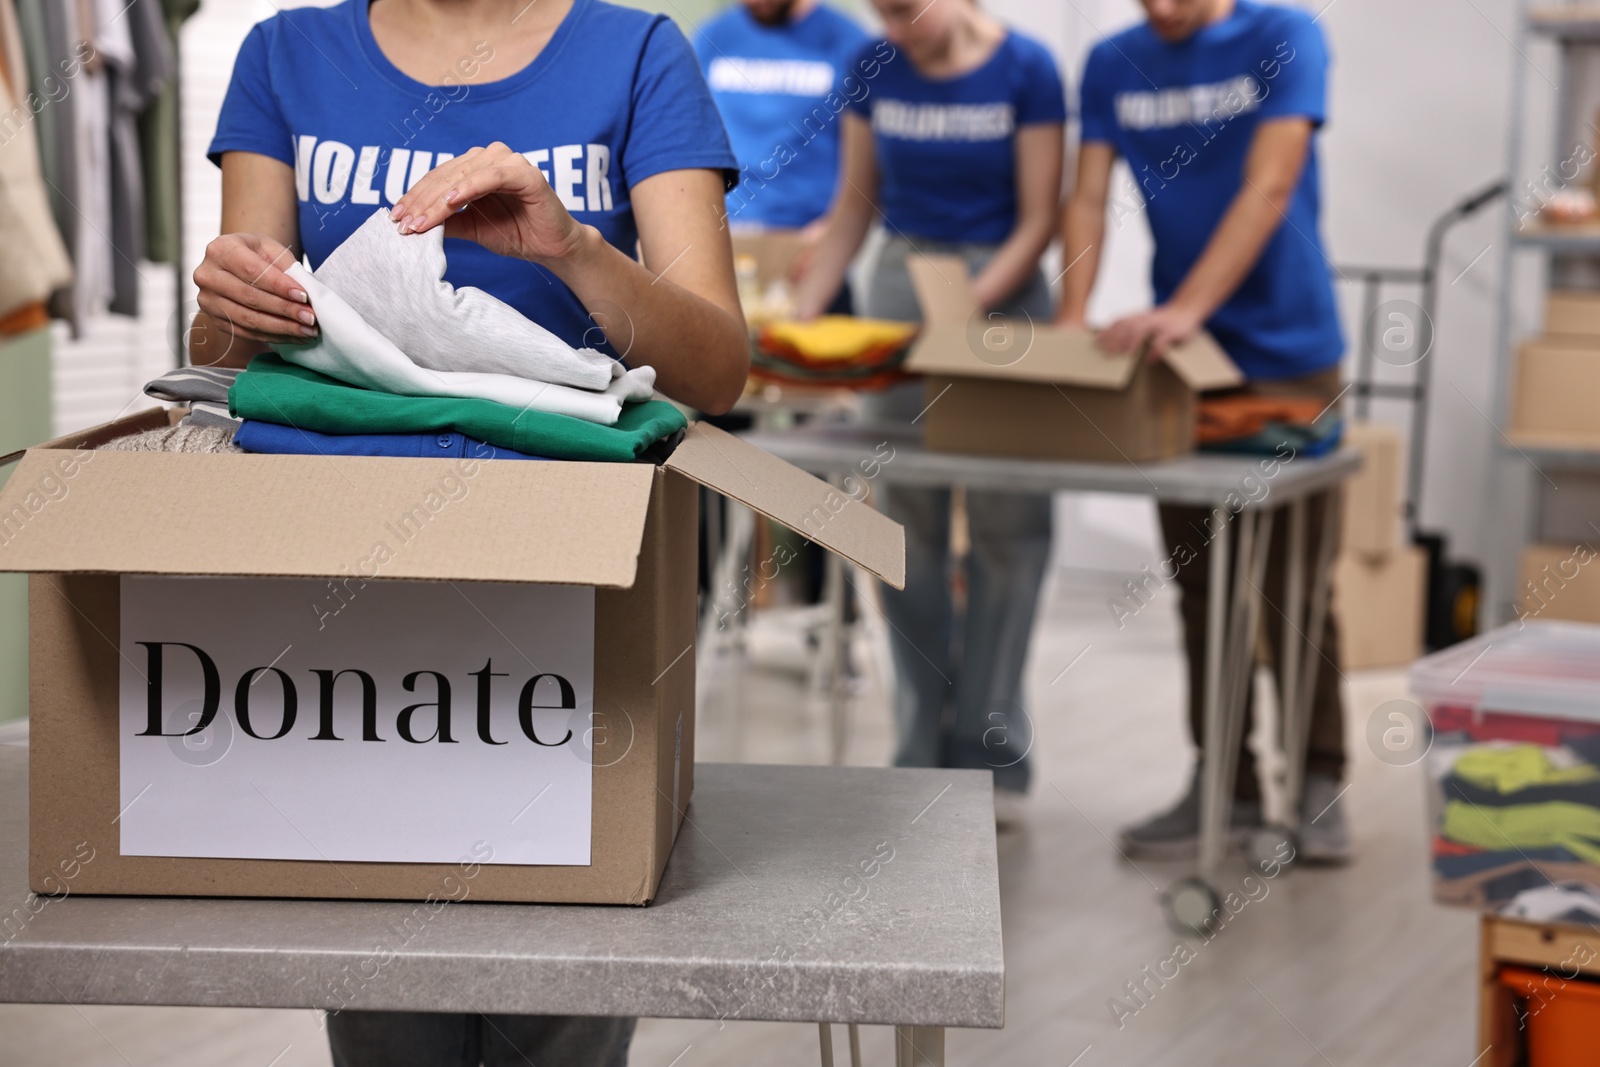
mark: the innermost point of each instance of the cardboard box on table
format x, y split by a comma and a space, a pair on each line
1033, 390
628, 531
773, 250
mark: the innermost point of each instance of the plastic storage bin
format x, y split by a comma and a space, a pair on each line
1514, 768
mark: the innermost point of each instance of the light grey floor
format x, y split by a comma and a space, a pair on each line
1328, 967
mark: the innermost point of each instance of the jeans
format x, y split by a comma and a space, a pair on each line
1185, 525
958, 693
444, 1039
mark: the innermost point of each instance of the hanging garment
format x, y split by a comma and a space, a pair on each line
273, 390
64, 79
91, 252
396, 282
139, 62
158, 151
349, 348
34, 262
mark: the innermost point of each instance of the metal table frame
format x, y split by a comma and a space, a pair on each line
771, 909
836, 450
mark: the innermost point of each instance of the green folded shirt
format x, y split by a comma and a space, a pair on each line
273, 390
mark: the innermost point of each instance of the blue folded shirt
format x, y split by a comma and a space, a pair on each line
271, 438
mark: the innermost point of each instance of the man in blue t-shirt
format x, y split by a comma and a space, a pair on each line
771, 65
1215, 105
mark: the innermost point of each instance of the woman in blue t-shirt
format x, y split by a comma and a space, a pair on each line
574, 132
954, 135
550, 140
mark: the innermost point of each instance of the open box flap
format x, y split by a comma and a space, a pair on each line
961, 344
66, 510
788, 495
1203, 365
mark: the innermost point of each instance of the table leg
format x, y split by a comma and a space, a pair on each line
1253, 555
1319, 614
835, 648
1215, 791
919, 1046
1292, 652
825, 1033
855, 1045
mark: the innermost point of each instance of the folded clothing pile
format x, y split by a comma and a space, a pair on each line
1514, 817
276, 391
1264, 425
837, 351
405, 364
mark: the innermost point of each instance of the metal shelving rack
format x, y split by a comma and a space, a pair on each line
1521, 473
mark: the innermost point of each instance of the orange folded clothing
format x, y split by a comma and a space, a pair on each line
1230, 417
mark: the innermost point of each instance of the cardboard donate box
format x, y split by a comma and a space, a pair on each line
374, 678
998, 386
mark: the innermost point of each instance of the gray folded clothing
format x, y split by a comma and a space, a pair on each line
189, 384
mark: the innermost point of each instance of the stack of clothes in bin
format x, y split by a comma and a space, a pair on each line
404, 364
1518, 806
834, 351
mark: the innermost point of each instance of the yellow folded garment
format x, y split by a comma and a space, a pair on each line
1509, 769
1574, 827
840, 337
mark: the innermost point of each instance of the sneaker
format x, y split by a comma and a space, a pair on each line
1009, 805
1324, 837
1175, 834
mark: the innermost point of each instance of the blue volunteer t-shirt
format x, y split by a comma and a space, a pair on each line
771, 84
614, 97
1183, 116
946, 149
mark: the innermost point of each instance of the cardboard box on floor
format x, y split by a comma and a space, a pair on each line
79, 521
1371, 515
1556, 395
1560, 581
1038, 391
1378, 603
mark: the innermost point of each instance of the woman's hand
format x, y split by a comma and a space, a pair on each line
246, 292
509, 207
1157, 331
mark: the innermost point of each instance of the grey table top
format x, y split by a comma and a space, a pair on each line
836, 448
818, 894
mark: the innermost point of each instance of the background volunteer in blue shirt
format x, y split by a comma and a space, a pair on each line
572, 132
772, 65
954, 134
1215, 105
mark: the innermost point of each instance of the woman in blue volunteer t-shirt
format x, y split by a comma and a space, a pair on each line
575, 132
954, 135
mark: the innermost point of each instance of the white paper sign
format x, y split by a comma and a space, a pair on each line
381, 721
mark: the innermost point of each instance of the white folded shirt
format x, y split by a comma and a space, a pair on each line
350, 349
396, 282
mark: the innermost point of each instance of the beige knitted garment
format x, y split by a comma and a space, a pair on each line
179, 438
